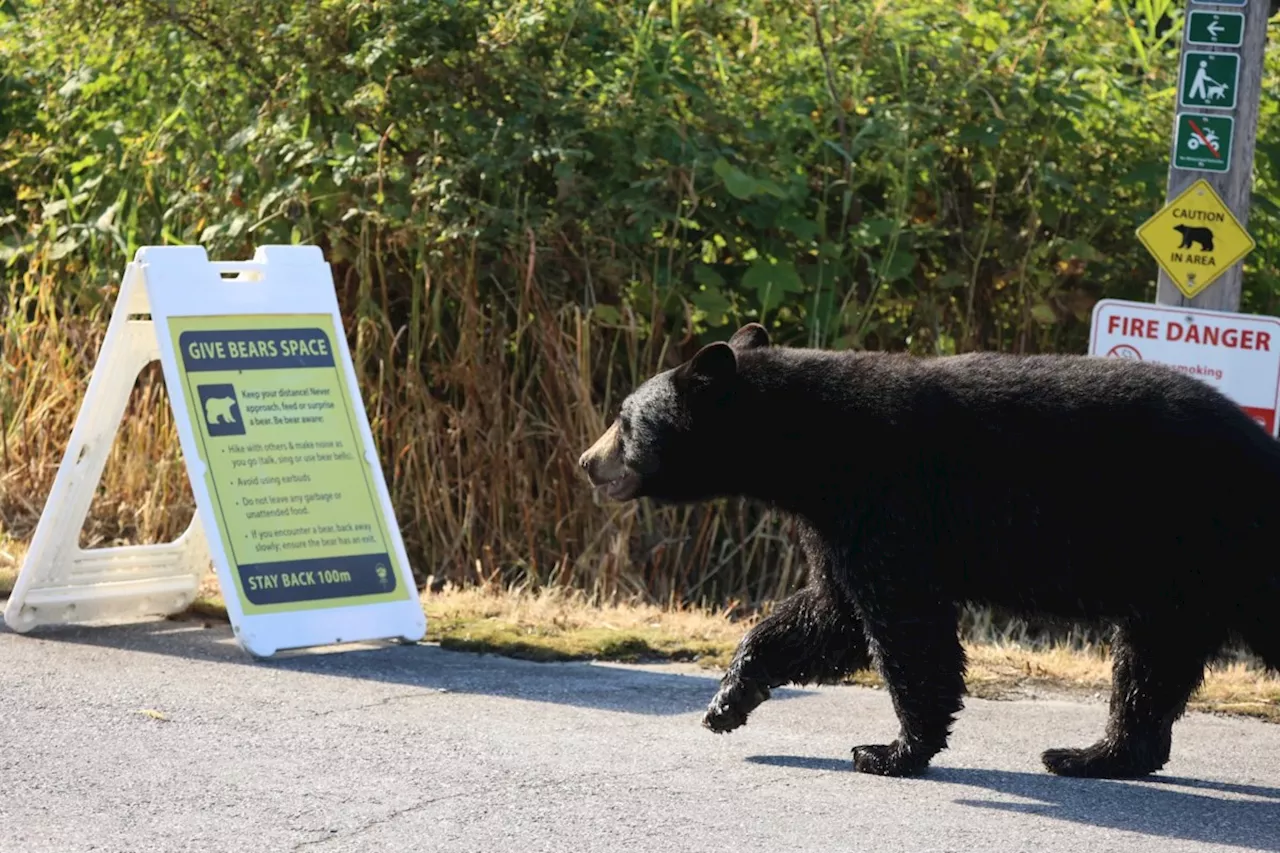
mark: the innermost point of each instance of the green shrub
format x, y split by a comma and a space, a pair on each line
529, 206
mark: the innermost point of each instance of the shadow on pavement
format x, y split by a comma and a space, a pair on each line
579, 684
1157, 806
802, 762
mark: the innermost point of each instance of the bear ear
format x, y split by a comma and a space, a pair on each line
711, 364
750, 336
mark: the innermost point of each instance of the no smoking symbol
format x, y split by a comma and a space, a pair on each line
1124, 351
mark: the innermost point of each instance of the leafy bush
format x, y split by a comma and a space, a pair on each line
531, 205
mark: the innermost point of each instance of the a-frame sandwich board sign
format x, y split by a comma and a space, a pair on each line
278, 450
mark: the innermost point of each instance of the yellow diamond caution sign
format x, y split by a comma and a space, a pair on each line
1195, 238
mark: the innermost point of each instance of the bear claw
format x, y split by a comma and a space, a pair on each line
730, 707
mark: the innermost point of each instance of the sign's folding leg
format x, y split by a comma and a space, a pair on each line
61, 582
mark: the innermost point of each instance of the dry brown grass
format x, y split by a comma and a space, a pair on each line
145, 495
478, 428
555, 625
11, 555
560, 624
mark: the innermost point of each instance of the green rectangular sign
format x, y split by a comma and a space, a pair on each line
1224, 29
1203, 142
1209, 79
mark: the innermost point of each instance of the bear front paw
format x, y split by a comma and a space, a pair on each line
887, 760
731, 705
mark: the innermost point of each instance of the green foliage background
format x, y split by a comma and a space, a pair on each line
531, 205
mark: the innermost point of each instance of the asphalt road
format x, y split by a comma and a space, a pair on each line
165, 737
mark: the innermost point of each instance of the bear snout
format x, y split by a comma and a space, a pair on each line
607, 469
601, 459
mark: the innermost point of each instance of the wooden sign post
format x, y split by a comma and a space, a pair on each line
1200, 237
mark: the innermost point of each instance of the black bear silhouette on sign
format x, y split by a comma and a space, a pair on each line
1193, 234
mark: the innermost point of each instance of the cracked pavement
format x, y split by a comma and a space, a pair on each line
165, 736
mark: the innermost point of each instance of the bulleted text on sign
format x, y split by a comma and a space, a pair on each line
300, 518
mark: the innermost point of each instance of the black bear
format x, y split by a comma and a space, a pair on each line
1195, 234
1065, 486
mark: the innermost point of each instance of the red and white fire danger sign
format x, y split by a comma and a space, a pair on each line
1239, 354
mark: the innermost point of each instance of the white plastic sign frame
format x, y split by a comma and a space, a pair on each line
62, 583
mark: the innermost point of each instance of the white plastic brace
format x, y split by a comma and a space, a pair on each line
61, 582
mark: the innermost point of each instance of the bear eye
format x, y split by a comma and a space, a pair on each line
625, 422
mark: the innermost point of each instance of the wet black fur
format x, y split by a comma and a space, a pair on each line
1061, 486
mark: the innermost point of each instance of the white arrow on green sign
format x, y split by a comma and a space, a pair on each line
1203, 142
1225, 29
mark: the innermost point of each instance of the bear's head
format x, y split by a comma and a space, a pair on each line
668, 442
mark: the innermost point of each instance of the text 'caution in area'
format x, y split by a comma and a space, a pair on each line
1195, 238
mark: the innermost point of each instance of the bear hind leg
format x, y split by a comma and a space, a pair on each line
1257, 627
1153, 675
923, 665
1266, 646
813, 637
